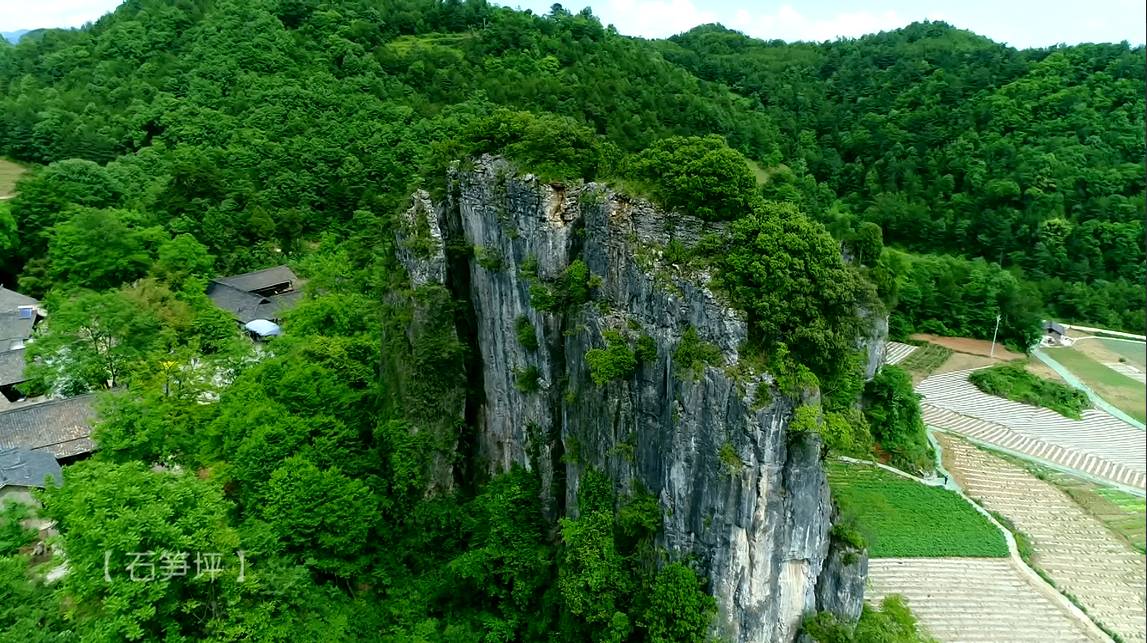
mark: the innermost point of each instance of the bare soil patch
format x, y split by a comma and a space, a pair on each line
971, 346
9, 173
965, 361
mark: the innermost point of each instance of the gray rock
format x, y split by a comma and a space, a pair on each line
743, 499
840, 588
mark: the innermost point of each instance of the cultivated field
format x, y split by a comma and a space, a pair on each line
896, 352
1133, 352
1099, 444
966, 345
9, 172
1078, 553
902, 518
1119, 390
925, 359
1122, 513
974, 599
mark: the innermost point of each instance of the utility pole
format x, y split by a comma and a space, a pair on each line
994, 332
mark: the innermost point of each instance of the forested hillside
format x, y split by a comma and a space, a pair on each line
954, 144
178, 140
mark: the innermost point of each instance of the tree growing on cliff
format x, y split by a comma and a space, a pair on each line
698, 175
787, 273
892, 408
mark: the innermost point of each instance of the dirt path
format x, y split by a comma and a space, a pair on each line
1080, 555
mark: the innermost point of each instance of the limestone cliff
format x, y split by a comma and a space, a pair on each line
744, 499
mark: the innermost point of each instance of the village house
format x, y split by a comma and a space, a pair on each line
60, 428
19, 315
258, 299
22, 470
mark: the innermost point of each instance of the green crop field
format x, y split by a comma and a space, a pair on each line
926, 359
9, 172
1119, 390
901, 518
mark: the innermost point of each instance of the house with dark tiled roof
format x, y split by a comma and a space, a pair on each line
22, 470
19, 315
263, 294
62, 428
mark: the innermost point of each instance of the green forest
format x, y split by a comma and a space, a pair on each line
176, 140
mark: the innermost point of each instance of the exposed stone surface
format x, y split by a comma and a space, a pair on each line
421, 248
743, 499
840, 588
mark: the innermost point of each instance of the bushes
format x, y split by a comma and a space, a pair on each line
842, 432
614, 362
553, 147
1013, 382
527, 337
693, 353
893, 412
488, 258
570, 290
526, 379
892, 623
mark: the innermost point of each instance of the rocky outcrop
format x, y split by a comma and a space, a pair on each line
744, 499
840, 587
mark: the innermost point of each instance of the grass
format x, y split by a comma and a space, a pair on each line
1134, 352
899, 517
9, 173
759, 173
1120, 391
926, 359
1012, 381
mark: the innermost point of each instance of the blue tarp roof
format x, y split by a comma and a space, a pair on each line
263, 327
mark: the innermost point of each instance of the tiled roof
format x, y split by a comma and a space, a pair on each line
60, 427
11, 367
13, 327
243, 305
11, 300
246, 306
260, 279
25, 468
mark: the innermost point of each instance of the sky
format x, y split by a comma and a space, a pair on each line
1020, 23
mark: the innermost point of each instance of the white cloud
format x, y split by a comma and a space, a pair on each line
789, 24
653, 18
34, 14
662, 18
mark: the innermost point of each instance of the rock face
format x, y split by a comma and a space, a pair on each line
743, 499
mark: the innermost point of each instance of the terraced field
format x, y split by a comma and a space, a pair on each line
1001, 437
1084, 559
973, 599
895, 352
1099, 444
1124, 514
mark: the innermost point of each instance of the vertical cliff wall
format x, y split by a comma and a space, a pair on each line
743, 498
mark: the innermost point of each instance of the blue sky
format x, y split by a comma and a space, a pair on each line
1020, 23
